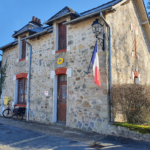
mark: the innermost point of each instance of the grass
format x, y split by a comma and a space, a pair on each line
143, 129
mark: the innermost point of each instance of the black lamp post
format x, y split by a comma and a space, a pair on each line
97, 28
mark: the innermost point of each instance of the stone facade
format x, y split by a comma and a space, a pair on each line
123, 63
88, 105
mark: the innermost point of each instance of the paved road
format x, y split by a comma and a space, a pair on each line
21, 138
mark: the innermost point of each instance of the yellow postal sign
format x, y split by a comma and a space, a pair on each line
60, 61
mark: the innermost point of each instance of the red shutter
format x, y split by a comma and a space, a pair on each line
23, 49
61, 37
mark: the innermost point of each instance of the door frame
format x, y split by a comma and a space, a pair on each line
54, 76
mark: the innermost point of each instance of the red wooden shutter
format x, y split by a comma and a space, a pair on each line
23, 49
61, 37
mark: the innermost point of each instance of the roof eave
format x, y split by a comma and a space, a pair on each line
38, 34
86, 16
52, 20
7, 46
15, 35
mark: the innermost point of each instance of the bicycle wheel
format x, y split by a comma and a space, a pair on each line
7, 113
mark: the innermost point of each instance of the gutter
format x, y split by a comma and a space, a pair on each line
28, 90
86, 16
110, 67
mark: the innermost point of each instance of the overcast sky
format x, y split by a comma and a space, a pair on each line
14, 14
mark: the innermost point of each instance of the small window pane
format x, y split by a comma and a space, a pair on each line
63, 78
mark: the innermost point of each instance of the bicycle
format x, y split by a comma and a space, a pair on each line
9, 112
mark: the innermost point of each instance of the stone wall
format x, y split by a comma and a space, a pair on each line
123, 63
124, 132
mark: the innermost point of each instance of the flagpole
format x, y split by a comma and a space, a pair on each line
90, 60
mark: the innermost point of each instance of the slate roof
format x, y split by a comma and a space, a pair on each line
64, 12
9, 45
32, 27
35, 30
68, 10
106, 5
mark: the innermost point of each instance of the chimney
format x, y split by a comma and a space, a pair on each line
36, 20
33, 18
39, 21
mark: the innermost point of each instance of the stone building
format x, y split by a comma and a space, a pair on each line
63, 92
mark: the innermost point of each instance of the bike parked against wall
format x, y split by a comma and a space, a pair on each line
10, 112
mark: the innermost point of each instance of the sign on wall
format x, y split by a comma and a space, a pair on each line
46, 93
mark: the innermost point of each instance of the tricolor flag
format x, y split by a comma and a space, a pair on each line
95, 63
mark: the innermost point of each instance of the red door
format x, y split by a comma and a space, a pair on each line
61, 37
62, 98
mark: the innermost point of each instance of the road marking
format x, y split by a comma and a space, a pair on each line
21, 142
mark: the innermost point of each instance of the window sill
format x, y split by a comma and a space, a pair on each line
22, 59
59, 51
20, 105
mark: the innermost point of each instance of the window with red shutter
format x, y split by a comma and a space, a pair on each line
23, 49
22, 91
62, 37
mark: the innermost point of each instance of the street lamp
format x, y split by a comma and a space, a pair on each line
97, 28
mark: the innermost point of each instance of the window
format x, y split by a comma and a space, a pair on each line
62, 37
22, 91
23, 50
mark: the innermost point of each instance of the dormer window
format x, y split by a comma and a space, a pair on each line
62, 38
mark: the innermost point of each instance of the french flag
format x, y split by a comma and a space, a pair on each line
95, 63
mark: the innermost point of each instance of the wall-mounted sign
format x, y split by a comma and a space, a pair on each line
46, 93
60, 61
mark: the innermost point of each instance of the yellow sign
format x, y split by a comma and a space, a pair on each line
6, 100
60, 61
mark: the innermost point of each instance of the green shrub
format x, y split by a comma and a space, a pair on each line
133, 102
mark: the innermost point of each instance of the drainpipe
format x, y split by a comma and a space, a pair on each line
28, 90
110, 67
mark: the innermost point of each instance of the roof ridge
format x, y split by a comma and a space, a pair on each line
59, 11
98, 6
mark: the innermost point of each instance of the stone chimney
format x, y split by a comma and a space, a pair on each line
33, 18
36, 21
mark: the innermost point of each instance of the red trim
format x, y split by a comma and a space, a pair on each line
21, 105
60, 71
59, 51
21, 75
136, 74
22, 59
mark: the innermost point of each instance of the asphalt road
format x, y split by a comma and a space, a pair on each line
19, 138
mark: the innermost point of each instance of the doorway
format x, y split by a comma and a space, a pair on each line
61, 99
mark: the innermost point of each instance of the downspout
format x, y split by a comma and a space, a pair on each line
110, 67
28, 90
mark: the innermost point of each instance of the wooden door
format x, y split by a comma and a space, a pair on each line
62, 98
61, 37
